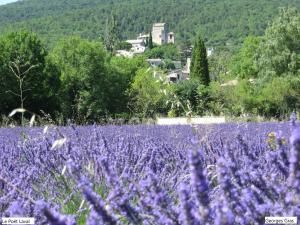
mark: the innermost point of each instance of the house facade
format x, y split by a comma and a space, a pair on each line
144, 37
174, 76
138, 46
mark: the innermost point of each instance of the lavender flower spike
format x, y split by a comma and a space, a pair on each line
54, 218
199, 183
293, 119
186, 214
294, 159
98, 204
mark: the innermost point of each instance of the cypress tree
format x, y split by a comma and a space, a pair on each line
147, 42
150, 43
199, 64
111, 36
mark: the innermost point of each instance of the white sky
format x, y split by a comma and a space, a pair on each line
3, 2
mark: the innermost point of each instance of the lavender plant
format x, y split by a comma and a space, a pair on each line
218, 174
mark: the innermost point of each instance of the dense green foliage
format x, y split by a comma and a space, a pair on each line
78, 80
219, 21
82, 63
147, 95
26, 74
168, 51
273, 60
199, 64
112, 35
121, 74
83, 80
279, 53
243, 64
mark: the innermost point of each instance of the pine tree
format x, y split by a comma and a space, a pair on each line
150, 43
199, 64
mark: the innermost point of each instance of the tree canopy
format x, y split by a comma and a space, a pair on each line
279, 52
27, 77
221, 22
83, 76
243, 64
199, 63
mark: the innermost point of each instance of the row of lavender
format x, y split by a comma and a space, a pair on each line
221, 174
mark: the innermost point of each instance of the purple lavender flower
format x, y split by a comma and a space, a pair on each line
199, 183
294, 160
224, 215
251, 179
54, 218
186, 215
15, 209
98, 205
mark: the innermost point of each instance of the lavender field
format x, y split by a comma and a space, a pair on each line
212, 174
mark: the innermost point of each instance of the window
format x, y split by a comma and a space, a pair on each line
173, 79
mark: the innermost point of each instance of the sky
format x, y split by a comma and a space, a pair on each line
3, 2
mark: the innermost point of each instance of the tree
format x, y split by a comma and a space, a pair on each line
27, 80
219, 63
220, 23
111, 37
168, 51
147, 94
243, 64
150, 42
123, 45
279, 53
279, 97
185, 51
183, 97
199, 64
121, 72
84, 78
20, 70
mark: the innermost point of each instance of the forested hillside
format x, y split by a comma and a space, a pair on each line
220, 21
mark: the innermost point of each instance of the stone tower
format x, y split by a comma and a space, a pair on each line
161, 34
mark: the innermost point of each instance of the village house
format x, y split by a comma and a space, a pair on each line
124, 53
160, 35
174, 76
144, 37
138, 46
